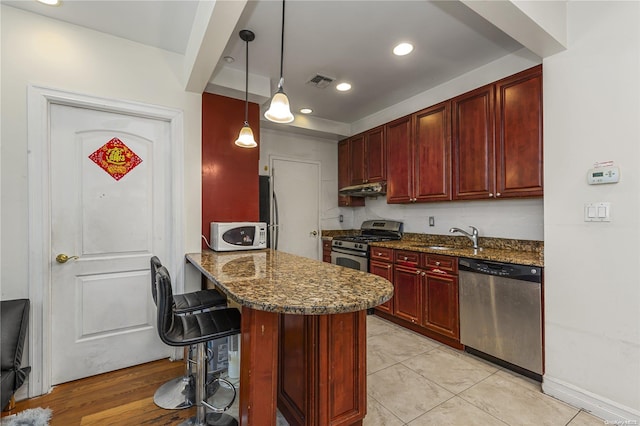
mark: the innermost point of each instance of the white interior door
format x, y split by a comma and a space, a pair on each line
296, 185
111, 210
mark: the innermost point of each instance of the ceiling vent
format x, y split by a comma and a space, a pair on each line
320, 81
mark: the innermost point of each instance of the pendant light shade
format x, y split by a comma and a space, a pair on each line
279, 110
245, 139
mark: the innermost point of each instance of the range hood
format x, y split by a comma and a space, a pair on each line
365, 190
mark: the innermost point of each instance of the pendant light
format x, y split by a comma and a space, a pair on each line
279, 111
245, 139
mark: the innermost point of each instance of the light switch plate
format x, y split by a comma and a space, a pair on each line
597, 212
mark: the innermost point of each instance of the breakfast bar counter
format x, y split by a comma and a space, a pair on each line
303, 334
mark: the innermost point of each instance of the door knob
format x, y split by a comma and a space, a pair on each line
314, 233
63, 258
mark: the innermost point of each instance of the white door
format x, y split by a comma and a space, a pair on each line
110, 195
296, 185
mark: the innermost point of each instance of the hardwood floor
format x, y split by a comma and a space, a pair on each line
123, 397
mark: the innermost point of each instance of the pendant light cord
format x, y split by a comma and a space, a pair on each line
280, 83
246, 86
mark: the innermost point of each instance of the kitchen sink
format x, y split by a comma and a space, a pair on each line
436, 247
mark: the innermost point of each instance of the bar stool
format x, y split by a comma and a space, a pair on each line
196, 329
178, 393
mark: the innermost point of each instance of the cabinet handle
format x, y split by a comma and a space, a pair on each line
491, 195
417, 272
498, 194
437, 263
423, 274
388, 266
406, 258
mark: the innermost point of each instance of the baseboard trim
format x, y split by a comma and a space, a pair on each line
611, 412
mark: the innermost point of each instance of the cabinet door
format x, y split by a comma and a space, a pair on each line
399, 161
344, 178
432, 162
326, 251
357, 159
407, 300
519, 135
441, 304
375, 154
384, 270
473, 144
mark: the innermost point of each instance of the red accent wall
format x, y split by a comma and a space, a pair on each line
229, 173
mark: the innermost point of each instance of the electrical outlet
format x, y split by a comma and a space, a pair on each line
432, 221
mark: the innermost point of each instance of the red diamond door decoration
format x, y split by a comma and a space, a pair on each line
115, 158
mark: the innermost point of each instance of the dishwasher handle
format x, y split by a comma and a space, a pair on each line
507, 270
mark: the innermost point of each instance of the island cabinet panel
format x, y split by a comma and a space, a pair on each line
327, 353
473, 144
384, 270
407, 293
519, 135
432, 153
344, 176
399, 160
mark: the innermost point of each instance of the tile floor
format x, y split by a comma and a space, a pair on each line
415, 381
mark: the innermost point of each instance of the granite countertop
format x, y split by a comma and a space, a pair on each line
276, 281
522, 252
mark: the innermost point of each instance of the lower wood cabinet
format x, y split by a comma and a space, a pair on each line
325, 353
440, 304
407, 285
425, 296
326, 251
384, 270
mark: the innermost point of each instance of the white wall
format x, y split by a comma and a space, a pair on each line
49, 53
592, 279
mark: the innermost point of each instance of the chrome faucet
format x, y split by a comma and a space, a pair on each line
473, 236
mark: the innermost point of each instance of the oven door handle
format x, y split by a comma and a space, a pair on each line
351, 252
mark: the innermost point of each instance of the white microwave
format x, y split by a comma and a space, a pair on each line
231, 236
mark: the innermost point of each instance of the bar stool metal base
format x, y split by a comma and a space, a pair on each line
212, 419
176, 394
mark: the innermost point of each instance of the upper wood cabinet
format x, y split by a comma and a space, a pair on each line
432, 153
519, 171
474, 164
399, 160
367, 157
497, 139
419, 156
344, 176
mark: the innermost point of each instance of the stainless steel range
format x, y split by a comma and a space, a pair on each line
353, 251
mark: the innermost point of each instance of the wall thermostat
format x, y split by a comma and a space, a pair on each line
607, 174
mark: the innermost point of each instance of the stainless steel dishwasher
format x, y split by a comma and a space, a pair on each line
500, 313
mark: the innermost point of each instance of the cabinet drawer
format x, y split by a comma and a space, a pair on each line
405, 257
381, 253
444, 263
326, 245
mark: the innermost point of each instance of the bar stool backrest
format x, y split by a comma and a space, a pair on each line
155, 264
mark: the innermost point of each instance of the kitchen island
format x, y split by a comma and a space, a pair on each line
303, 334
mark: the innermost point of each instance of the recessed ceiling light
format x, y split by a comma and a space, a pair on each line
403, 49
50, 2
306, 110
343, 87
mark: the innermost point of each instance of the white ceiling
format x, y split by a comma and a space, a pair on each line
345, 40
